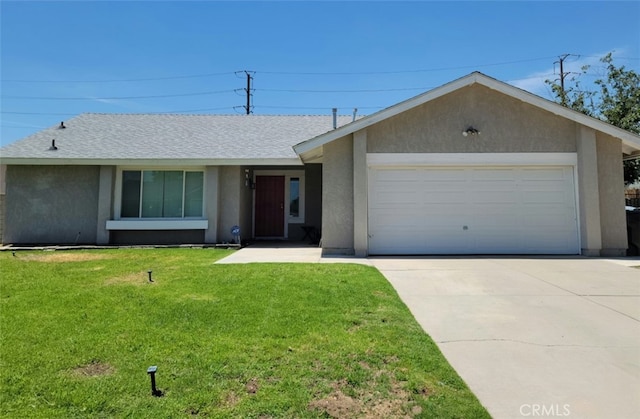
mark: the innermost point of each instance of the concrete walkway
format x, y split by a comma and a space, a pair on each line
284, 252
532, 337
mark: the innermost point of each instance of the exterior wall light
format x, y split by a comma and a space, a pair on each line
248, 182
470, 131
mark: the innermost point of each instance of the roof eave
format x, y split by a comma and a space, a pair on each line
150, 162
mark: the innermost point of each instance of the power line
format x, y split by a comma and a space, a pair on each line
117, 97
36, 113
192, 76
157, 112
300, 73
343, 91
317, 107
423, 70
200, 110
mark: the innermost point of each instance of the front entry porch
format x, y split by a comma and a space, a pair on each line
286, 203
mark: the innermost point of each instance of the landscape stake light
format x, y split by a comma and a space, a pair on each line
152, 373
149, 272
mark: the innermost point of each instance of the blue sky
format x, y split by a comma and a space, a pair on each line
59, 59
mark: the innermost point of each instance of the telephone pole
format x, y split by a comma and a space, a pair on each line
247, 107
563, 96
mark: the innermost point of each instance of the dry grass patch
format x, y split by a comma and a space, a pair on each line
62, 257
136, 278
367, 403
200, 297
231, 399
93, 369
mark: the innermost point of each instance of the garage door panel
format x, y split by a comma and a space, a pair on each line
494, 197
549, 173
404, 175
504, 175
443, 198
473, 210
495, 222
444, 174
396, 199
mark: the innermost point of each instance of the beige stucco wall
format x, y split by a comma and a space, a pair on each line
337, 197
230, 182
611, 188
51, 204
506, 125
313, 195
105, 203
360, 195
588, 192
211, 199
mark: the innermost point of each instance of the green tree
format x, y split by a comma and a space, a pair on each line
613, 98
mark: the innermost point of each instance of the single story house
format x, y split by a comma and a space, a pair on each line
475, 166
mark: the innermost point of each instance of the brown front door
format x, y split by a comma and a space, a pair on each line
269, 206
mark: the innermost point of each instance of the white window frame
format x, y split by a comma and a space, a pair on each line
156, 223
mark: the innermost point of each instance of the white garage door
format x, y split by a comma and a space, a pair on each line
472, 210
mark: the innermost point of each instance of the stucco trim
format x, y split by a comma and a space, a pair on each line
472, 159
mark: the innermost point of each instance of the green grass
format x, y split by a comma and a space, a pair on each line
80, 328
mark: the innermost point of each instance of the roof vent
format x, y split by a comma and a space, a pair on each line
61, 125
335, 117
53, 145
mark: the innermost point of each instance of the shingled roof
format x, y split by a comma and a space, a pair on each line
170, 139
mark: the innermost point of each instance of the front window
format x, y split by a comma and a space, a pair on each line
161, 194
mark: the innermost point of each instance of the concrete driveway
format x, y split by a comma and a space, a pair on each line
532, 337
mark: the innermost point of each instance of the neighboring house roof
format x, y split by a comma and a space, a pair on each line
309, 149
171, 139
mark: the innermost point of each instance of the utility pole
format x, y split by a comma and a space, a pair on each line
563, 95
247, 107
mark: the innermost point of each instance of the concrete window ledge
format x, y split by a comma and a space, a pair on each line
157, 224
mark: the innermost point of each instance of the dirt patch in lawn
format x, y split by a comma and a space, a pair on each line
93, 369
396, 404
252, 386
55, 257
231, 399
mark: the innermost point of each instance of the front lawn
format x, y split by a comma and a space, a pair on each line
80, 328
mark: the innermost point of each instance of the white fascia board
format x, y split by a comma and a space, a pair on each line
157, 224
313, 156
295, 161
471, 159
